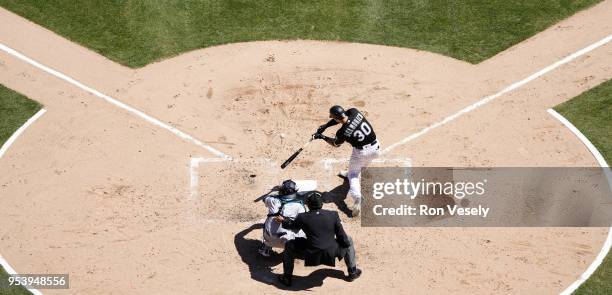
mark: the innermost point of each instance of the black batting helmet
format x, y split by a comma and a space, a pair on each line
288, 187
336, 112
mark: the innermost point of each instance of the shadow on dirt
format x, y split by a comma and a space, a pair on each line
338, 196
261, 267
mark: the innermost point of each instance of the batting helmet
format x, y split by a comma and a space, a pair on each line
336, 112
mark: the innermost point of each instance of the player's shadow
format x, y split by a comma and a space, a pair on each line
338, 196
261, 267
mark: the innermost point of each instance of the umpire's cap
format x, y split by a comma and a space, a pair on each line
314, 200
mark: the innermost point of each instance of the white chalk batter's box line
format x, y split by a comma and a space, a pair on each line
328, 163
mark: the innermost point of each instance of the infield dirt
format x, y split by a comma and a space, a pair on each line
96, 192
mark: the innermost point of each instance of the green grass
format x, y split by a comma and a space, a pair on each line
138, 32
13, 290
600, 282
15, 109
591, 113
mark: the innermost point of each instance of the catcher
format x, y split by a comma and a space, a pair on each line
288, 203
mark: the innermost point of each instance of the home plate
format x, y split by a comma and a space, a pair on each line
306, 185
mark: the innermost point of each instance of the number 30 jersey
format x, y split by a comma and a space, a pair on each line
357, 130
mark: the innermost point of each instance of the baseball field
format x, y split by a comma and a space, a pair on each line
136, 134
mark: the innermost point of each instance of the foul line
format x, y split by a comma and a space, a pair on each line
7, 267
488, 99
602, 162
113, 101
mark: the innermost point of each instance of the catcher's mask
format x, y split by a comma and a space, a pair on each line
288, 187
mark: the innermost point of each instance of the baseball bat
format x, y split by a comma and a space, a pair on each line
274, 189
295, 155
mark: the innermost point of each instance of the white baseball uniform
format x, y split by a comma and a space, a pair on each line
359, 133
360, 158
274, 235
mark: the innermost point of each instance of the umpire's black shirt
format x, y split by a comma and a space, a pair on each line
324, 236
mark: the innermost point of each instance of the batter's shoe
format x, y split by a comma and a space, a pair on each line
356, 209
343, 174
353, 275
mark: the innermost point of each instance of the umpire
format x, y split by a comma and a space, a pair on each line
325, 240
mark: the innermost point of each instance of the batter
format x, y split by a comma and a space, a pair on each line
359, 133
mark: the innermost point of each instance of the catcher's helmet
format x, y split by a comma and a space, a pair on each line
288, 187
336, 112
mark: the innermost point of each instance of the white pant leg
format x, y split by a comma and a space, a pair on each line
359, 159
354, 172
269, 234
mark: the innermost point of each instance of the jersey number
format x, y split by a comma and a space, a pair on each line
365, 130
